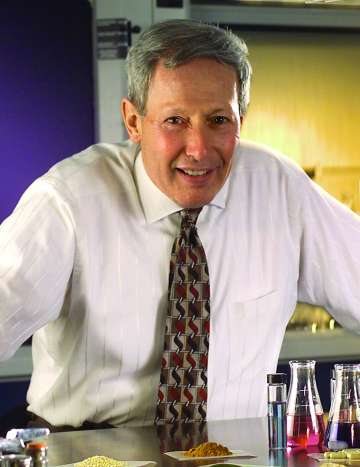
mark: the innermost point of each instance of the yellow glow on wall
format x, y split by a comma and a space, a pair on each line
305, 98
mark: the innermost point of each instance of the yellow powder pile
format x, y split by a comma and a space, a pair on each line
350, 454
100, 461
208, 449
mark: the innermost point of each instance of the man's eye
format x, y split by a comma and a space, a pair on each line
175, 120
219, 120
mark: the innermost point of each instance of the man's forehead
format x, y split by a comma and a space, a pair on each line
206, 70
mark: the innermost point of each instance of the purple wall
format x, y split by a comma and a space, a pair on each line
46, 89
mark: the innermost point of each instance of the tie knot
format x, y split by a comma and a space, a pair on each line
189, 217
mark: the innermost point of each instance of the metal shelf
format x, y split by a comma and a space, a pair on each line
278, 15
334, 345
17, 368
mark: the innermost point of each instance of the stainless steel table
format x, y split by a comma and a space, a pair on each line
149, 443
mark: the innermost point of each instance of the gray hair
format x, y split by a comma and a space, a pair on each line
178, 42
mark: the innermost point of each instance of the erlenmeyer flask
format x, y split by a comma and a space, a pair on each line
305, 423
343, 428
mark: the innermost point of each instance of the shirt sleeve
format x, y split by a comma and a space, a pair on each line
36, 261
330, 256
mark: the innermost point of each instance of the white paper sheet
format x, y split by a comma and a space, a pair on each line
179, 455
320, 457
128, 463
230, 464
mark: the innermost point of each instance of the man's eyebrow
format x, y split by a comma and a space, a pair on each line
179, 110
220, 109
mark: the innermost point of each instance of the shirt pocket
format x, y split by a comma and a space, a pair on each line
256, 333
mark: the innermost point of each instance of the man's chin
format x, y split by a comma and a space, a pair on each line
193, 204
191, 199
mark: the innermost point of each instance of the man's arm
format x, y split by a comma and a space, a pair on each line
36, 261
330, 256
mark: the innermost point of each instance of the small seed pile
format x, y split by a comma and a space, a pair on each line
100, 461
208, 449
349, 454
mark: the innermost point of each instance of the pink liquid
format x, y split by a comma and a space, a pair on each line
303, 431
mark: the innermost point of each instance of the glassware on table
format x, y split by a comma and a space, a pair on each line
276, 396
332, 384
278, 457
304, 414
343, 428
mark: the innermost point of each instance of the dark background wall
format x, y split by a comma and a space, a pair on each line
46, 89
46, 110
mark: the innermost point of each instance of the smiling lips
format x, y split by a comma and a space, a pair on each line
195, 173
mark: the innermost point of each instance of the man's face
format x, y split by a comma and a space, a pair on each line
190, 129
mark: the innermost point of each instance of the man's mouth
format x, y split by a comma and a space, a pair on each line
194, 173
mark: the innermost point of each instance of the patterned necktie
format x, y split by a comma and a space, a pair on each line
183, 379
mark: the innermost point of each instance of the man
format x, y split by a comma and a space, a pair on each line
85, 256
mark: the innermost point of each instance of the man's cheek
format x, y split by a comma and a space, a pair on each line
228, 149
169, 144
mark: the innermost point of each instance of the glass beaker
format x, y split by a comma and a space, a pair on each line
304, 414
343, 428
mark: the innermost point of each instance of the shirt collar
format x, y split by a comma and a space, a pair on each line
156, 205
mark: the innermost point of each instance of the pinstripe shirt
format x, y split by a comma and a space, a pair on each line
84, 262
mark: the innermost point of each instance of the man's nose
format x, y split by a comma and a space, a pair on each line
197, 143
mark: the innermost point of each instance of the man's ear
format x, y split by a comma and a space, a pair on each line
132, 120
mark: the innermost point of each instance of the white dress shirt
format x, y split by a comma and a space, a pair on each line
84, 265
